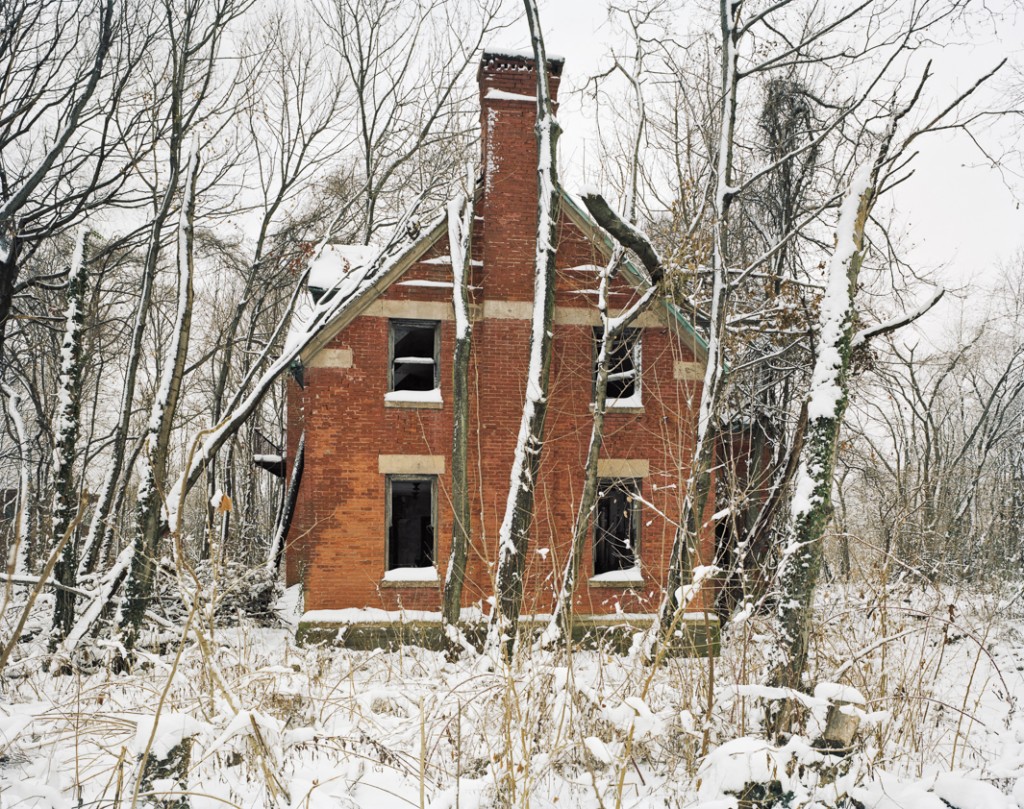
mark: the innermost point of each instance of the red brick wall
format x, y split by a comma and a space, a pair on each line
337, 539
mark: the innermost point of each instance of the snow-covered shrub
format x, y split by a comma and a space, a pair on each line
240, 591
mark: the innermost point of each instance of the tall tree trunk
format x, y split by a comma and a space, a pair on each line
559, 627
65, 439
514, 534
826, 403
460, 241
101, 529
698, 482
150, 525
22, 527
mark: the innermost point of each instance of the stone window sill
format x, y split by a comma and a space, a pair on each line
609, 411
429, 578
404, 405
617, 584
408, 585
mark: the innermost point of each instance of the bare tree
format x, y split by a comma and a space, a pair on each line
66, 431
514, 534
933, 465
460, 241
61, 152
406, 64
827, 400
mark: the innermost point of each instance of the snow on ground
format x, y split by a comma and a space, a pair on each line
276, 725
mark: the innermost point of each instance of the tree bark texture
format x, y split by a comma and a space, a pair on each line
65, 438
150, 524
460, 240
514, 535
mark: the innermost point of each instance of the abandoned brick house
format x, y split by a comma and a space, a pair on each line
372, 523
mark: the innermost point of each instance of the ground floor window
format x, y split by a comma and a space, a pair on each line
411, 510
616, 528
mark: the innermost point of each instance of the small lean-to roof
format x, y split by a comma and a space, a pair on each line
580, 216
576, 213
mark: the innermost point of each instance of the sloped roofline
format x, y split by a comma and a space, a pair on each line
577, 214
581, 217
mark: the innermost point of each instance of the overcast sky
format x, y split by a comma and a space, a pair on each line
961, 216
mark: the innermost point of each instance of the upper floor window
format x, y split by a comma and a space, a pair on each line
413, 358
623, 369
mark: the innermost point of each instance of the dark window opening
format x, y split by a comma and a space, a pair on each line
414, 347
623, 364
616, 528
410, 522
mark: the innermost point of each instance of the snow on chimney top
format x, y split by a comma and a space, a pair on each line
508, 104
498, 59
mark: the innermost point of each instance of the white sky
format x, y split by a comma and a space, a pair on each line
962, 218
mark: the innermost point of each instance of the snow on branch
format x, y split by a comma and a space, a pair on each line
836, 305
899, 321
624, 233
358, 283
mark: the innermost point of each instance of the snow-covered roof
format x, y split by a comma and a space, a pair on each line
356, 274
340, 260
336, 260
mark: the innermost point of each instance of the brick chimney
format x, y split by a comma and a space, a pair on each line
508, 113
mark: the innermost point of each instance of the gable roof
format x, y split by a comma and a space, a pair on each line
576, 214
580, 216
359, 302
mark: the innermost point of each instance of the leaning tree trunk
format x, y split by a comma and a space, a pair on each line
460, 241
100, 535
559, 627
150, 525
826, 403
514, 534
65, 439
698, 483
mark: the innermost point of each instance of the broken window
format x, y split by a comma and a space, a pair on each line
616, 526
623, 368
414, 351
410, 516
